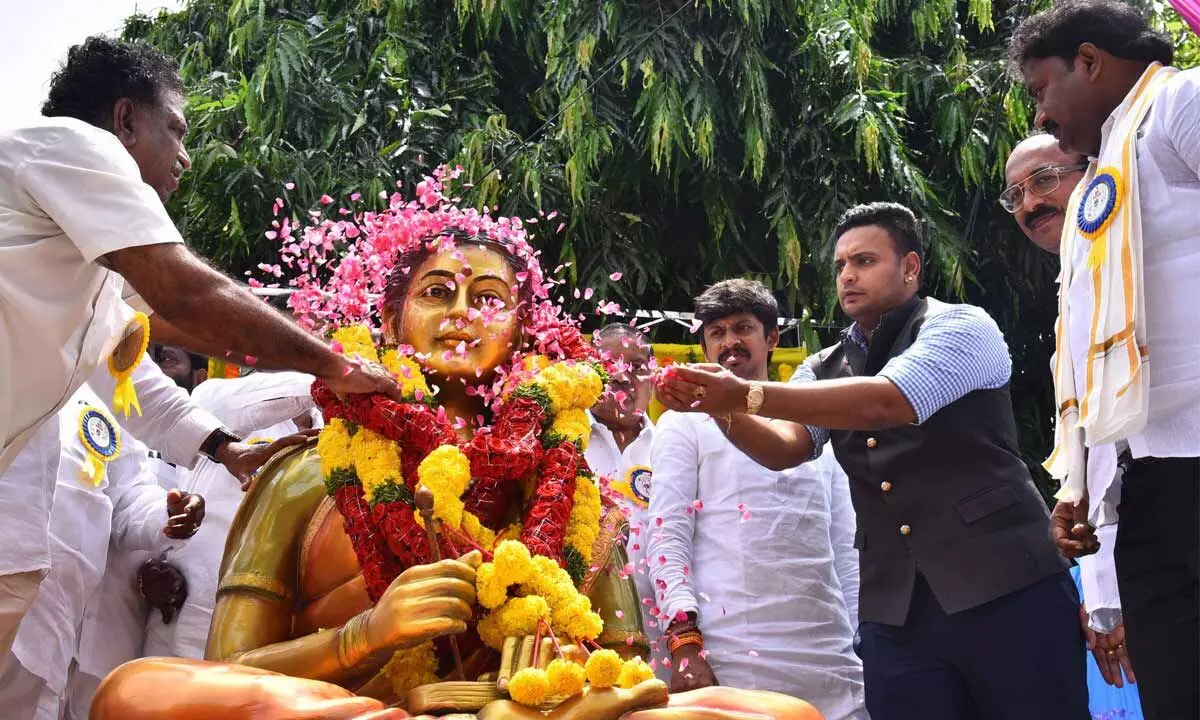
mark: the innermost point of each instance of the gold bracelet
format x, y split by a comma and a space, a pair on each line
352, 641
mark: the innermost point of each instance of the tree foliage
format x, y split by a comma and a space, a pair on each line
683, 141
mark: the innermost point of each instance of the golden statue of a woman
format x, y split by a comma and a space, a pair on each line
311, 617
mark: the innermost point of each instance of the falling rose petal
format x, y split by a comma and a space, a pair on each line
705, 597
695, 326
662, 559
695, 404
680, 616
703, 654
325, 200
289, 186
753, 653
587, 294
687, 571
658, 521
628, 640
560, 227
683, 664
667, 662
355, 197
698, 505
615, 277
620, 614
251, 360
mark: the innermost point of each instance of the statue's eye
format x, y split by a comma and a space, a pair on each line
438, 291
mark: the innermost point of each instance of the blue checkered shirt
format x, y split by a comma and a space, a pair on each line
959, 349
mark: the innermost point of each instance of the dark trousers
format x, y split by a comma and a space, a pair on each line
1019, 657
1157, 555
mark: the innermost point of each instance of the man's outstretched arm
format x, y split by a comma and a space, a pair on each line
217, 314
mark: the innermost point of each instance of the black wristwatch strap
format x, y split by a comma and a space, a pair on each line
215, 440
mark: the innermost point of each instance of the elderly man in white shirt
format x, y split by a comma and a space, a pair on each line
122, 502
618, 451
1041, 177
81, 213
755, 570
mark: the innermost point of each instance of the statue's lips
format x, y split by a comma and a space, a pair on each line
455, 338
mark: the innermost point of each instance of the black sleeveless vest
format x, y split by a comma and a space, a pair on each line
949, 498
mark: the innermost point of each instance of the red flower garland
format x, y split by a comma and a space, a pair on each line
545, 525
378, 566
387, 538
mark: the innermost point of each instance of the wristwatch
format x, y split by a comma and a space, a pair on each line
754, 398
214, 441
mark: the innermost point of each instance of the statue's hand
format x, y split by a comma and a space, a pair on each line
425, 602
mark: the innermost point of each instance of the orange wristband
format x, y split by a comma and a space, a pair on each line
678, 641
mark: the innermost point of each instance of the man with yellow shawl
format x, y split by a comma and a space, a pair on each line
1127, 384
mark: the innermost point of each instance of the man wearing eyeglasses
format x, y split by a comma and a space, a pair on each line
1041, 177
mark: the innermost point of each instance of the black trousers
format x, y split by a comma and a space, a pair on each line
1157, 555
1019, 657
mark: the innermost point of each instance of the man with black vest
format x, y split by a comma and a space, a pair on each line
966, 609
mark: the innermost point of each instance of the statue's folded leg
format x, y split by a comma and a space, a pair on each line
183, 689
726, 703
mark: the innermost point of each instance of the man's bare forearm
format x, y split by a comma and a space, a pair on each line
216, 316
774, 445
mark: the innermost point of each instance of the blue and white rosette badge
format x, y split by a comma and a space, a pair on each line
1100, 203
101, 441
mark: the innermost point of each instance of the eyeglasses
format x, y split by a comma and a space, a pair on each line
1042, 182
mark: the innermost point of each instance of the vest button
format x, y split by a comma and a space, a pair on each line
872, 442
885, 486
904, 529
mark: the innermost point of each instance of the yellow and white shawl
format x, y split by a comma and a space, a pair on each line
1104, 211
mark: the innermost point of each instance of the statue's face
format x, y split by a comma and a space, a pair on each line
459, 313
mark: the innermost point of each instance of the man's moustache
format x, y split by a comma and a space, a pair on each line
1038, 214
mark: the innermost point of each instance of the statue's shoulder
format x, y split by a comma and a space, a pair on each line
264, 540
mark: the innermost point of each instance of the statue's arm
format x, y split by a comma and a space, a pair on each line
256, 603
253, 628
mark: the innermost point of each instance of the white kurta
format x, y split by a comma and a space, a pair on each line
608, 461
127, 506
765, 559
257, 406
1168, 167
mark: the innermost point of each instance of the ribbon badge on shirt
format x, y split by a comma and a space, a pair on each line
1099, 205
101, 442
125, 359
636, 485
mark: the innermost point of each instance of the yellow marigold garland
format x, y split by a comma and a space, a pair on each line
408, 373
529, 686
333, 446
584, 523
376, 461
446, 472
603, 668
574, 425
634, 671
566, 677
357, 340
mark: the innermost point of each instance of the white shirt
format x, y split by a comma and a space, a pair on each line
1098, 577
607, 460
259, 406
114, 619
69, 194
1168, 167
765, 559
127, 506
170, 422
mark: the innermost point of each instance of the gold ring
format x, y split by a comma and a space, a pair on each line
700, 392
1111, 652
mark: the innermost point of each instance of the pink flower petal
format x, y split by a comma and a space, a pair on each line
615, 277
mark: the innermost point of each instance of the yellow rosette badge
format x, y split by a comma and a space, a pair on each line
635, 486
125, 359
101, 442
